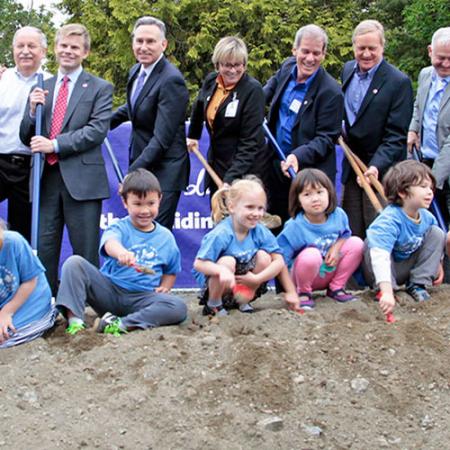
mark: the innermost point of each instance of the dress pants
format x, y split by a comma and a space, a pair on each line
59, 208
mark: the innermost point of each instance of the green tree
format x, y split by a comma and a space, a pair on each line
194, 27
14, 16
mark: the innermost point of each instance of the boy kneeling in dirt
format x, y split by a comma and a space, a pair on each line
404, 244
141, 262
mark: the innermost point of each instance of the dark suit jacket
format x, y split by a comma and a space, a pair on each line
158, 138
237, 144
378, 135
319, 119
84, 129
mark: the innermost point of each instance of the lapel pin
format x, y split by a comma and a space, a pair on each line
85, 85
305, 102
375, 91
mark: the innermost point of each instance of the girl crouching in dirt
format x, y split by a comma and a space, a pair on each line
26, 311
239, 255
317, 243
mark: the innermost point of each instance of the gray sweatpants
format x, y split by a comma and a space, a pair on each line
420, 268
82, 283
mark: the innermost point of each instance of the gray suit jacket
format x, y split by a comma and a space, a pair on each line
85, 126
441, 166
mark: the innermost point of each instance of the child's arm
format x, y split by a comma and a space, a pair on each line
167, 282
381, 266
7, 312
333, 254
116, 250
290, 293
254, 280
211, 269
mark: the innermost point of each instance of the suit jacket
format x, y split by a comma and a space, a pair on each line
319, 119
237, 144
158, 138
441, 166
84, 129
378, 135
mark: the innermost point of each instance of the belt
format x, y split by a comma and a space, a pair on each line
17, 160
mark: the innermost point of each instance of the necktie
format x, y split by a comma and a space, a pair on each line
139, 86
58, 116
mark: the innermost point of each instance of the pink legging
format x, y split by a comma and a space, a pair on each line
305, 272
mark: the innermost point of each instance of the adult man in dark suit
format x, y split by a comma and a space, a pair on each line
378, 108
77, 110
305, 114
157, 99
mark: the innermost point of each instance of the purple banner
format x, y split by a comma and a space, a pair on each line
192, 219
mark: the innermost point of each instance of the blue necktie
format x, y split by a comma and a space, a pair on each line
139, 86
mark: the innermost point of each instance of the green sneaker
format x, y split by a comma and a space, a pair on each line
74, 328
109, 324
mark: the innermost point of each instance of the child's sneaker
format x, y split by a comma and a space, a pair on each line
306, 300
417, 292
340, 296
75, 327
246, 308
218, 311
109, 324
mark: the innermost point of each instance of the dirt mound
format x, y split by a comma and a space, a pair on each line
338, 377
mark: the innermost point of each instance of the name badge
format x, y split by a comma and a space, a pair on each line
295, 106
232, 108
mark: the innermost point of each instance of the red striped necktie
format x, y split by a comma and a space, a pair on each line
58, 116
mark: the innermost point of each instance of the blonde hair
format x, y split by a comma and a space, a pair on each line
226, 195
75, 29
369, 26
230, 48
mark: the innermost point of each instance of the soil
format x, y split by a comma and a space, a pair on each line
338, 377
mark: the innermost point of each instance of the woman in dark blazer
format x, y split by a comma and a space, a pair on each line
232, 105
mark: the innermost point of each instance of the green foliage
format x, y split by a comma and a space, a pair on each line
14, 16
268, 27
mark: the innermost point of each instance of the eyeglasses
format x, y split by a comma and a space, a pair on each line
230, 66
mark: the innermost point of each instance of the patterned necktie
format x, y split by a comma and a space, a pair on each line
139, 86
58, 116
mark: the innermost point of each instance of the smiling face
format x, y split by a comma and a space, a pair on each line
70, 52
28, 52
231, 71
314, 201
439, 54
248, 209
368, 49
142, 210
148, 44
309, 55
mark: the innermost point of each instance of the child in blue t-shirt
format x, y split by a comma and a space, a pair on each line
404, 244
316, 242
26, 311
239, 254
131, 290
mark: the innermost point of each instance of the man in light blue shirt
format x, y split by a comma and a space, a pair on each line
29, 49
430, 125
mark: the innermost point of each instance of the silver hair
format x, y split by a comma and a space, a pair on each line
39, 32
313, 31
441, 36
369, 26
149, 20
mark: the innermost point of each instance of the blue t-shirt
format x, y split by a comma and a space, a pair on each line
394, 231
299, 233
19, 264
222, 241
156, 250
